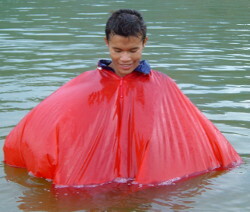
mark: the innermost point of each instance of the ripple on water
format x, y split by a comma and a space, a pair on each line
43, 46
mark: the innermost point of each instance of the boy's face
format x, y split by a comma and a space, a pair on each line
125, 52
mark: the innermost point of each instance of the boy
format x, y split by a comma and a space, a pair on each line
122, 120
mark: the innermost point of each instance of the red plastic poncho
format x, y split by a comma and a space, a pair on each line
99, 127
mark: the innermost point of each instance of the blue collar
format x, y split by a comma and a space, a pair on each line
143, 67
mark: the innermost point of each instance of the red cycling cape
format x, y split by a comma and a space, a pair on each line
99, 127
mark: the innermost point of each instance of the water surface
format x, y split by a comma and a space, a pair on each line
203, 45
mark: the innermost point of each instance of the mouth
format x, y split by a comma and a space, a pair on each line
125, 66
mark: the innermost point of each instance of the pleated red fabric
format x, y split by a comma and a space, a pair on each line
99, 127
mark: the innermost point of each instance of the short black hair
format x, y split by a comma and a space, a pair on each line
126, 22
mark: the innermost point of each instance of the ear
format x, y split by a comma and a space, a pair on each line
145, 41
106, 41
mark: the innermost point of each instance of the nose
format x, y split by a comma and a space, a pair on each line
125, 57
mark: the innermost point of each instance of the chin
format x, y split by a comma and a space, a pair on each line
123, 73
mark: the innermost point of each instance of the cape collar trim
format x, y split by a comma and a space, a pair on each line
143, 67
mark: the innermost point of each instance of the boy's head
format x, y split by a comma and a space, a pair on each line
126, 22
125, 38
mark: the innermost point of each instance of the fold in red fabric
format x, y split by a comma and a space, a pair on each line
99, 127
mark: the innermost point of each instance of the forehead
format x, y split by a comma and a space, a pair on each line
118, 41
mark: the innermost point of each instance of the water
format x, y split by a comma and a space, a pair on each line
203, 45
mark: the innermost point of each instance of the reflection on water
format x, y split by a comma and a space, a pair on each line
119, 196
195, 194
203, 45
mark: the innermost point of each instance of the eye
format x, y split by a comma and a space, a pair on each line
116, 50
133, 50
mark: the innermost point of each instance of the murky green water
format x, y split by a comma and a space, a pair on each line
203, 45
